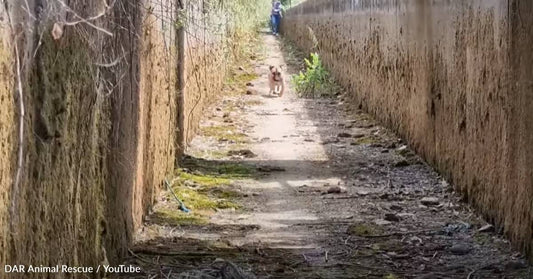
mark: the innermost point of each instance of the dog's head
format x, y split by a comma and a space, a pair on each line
276, 73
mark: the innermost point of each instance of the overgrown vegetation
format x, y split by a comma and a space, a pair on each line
315, 81
205, 187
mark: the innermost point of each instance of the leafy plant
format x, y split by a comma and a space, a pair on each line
315, 81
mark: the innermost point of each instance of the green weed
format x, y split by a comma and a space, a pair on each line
315, 81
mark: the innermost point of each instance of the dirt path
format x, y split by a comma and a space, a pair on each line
394, 217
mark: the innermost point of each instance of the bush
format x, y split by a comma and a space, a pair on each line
315, 81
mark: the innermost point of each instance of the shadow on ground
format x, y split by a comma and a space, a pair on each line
364, 207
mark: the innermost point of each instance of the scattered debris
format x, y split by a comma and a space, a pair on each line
392, 217
270, 169
363, 193
451, 229
363, 230
401, 163
515, 265
486, 228
335, 190
220, 269
330, 141
246, 153
381, 222
430, 201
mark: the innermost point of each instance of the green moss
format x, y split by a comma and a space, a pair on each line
222, 169
389, 246
237, 81
203, 180
362, 229
211, 154
365, 140
225, 133
176, 217
199, 200
246, 77
481, 238
225, 193
254, 102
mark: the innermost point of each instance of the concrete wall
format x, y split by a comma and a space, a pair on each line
451, 77
99, 103
101, 128
205, 63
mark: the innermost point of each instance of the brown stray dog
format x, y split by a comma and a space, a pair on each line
275, 81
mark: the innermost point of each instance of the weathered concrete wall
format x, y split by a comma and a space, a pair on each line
99, 130
101, 127
204, 63
452, 77
7, 134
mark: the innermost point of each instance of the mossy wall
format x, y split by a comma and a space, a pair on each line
101, 127
7, 138
451, 77
205, 64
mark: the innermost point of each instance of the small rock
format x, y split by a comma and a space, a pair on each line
384, 196
270, 169
401, 163
430, 201
381, 222
460, 249
392, 217
396, 207
515, 265
330, 141
402, 148
405, 215
218, 109
344, 135
391, 146
243, 152
249, 92
362, 193
249, 84
486, 228
308, 140
334, 190
358, 136
226, 115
